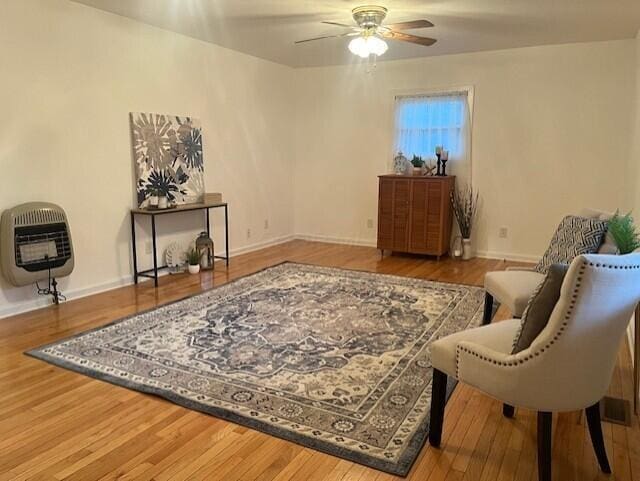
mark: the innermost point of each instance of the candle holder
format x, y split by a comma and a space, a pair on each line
444, 167
439, 164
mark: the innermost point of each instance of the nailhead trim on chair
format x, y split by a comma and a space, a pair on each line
572, 303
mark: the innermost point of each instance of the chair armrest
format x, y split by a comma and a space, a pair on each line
519, 268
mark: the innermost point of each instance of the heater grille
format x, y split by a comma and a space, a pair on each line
35, 243
39, 216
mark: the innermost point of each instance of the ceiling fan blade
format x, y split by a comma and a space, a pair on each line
409, 25
348, 34
405, 37
340, 24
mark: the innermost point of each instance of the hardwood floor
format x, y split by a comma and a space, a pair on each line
56, 424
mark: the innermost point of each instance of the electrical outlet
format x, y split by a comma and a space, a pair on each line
147, 247
266, 224
248, 233
370, 223
503, 232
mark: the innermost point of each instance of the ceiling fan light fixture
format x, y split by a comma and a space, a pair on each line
377, 46
365, 46
358, 46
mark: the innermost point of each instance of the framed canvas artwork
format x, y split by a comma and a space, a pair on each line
167, 152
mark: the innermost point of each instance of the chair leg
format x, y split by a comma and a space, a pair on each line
488, 309
438, 398
544, 446
508, 410
595, 430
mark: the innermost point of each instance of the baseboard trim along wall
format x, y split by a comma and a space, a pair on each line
40, 302
337, 240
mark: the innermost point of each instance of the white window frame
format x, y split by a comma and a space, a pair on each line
433, 92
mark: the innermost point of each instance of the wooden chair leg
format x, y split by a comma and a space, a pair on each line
438, 398
488, 309
544, 446
508, 411
595, 430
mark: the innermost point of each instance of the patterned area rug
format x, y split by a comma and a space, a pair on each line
332, 359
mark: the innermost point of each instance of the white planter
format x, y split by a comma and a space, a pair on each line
466, 249
194, 269
153, 201
163, 202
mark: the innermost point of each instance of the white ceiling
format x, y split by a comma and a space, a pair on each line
268, 28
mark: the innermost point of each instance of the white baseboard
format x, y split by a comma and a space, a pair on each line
507, 256
337, 240
372, 243
40, 302
29, 305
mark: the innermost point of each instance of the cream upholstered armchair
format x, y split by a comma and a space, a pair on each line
514, 286
567, 367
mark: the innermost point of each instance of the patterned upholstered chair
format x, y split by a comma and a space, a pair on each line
514, 286
567, 367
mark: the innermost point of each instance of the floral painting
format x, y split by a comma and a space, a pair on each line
167, 152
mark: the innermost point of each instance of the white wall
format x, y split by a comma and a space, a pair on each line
301, 148
634, 167
551, 133
70, 76
634, 160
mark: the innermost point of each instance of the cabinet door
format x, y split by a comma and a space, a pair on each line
385, 213
435, 205
419, 206
401, 197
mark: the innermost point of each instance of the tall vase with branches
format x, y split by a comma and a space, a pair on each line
465, 206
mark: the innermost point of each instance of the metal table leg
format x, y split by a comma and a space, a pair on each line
226, 233
135, 253
155, 257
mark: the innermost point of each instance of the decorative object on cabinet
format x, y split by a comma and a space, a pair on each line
35, 245
204, 245
429, 169
206, 207
438, 162
400, 164
417, 164
193, 259
444, 158
167, 152
465, 206
414, 214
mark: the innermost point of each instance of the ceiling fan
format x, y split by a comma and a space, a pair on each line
369, 33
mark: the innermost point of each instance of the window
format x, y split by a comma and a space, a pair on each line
423, 122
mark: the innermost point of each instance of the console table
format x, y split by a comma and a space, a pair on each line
153, 213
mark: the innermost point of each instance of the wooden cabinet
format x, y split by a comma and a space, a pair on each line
414, 214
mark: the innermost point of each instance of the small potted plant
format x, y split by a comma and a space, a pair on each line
163, 200
193, 260
153, 198
417, 163
624, 233
465, 204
